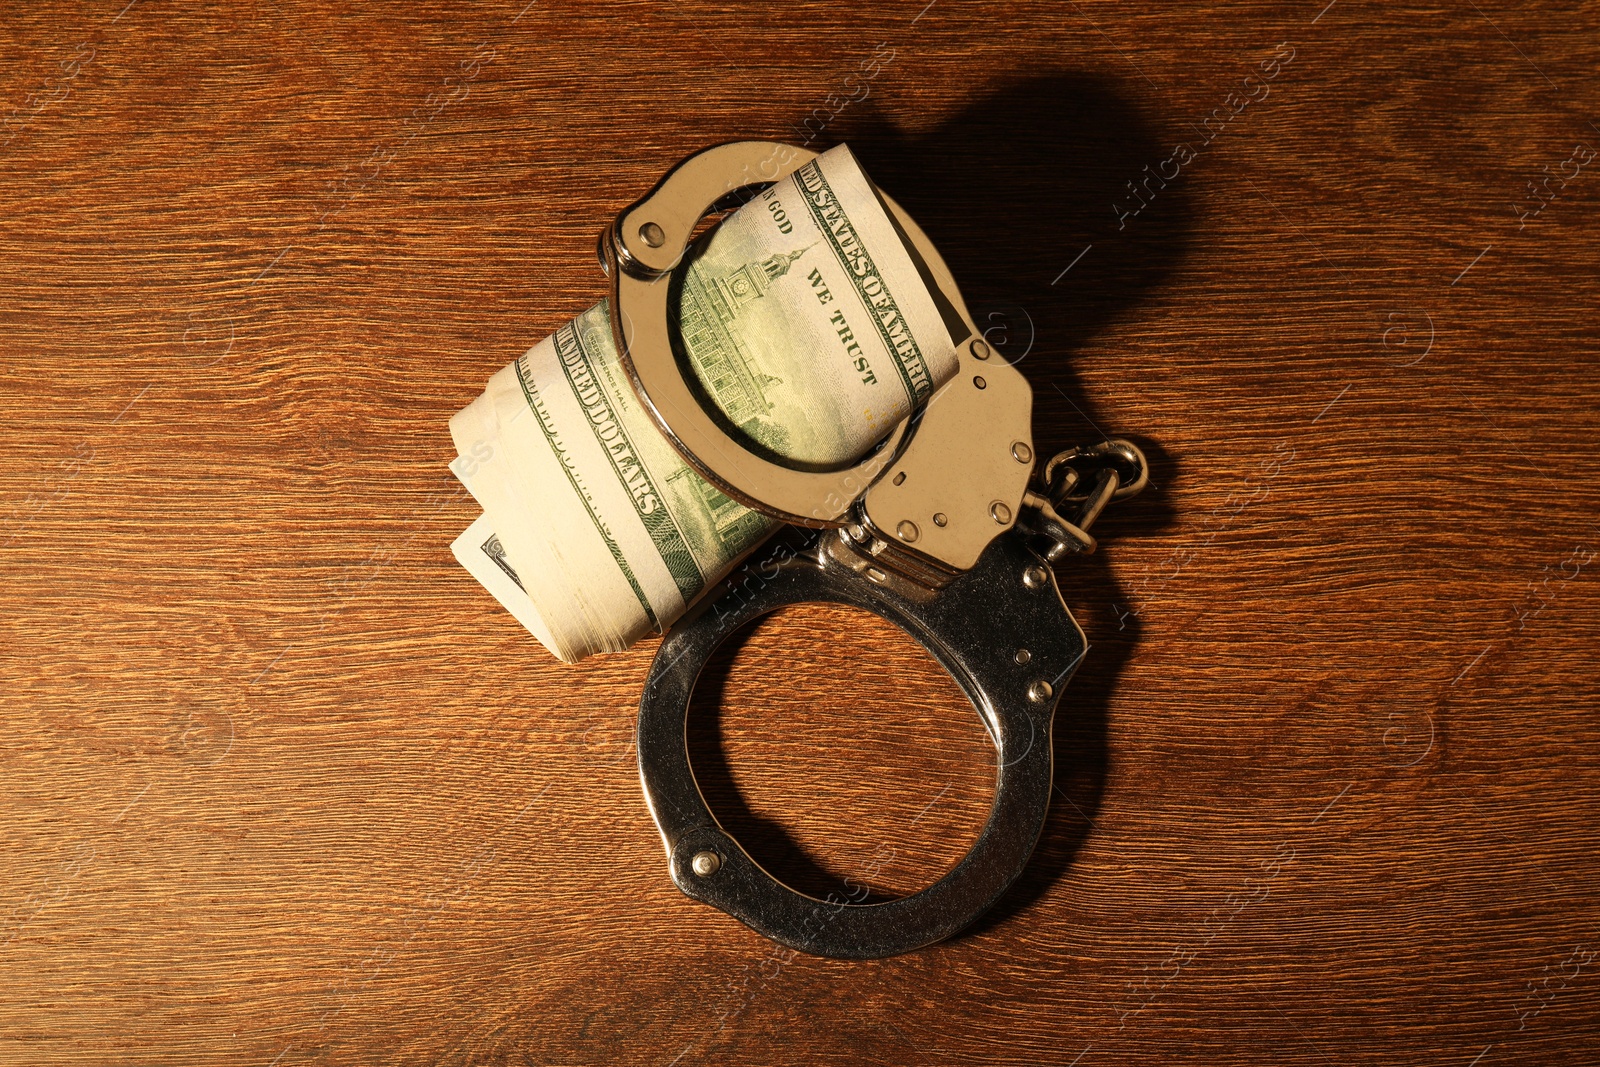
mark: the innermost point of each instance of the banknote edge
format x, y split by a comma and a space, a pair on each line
542, 416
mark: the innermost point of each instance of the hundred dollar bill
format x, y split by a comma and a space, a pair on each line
804, 319
479, 550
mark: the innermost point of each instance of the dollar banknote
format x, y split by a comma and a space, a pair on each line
480, 551
806, 323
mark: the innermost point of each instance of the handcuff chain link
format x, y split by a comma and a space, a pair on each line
1072, 488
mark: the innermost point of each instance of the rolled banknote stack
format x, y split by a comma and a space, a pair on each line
806, 322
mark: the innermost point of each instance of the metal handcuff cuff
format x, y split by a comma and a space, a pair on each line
946, 530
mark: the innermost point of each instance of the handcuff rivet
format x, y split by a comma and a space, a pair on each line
940, 518
1033, 578
1022, 656
705, 864
907, 530
1021, 452
653, 235
980, 350
899, 479
1038, 692
977, 379
1000, 513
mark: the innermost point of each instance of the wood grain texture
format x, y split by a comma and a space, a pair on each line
283, 786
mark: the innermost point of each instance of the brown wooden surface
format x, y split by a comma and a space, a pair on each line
283, 786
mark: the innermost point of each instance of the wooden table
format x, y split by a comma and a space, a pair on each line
283, 786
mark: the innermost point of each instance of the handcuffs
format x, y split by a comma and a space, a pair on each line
947, 530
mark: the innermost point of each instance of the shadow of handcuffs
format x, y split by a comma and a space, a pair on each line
948, 530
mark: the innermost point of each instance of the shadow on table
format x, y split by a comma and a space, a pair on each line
1026, 192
